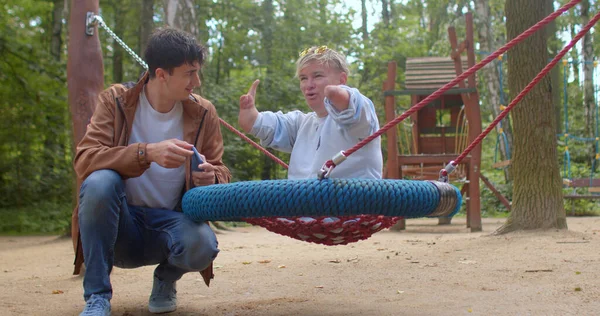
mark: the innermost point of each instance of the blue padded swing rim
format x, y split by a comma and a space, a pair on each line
328, 197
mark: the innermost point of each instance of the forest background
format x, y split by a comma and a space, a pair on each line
261, 39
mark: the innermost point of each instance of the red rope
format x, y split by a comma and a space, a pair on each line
461, 77
253, 143
528, 88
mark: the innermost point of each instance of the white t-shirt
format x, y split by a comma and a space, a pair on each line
313, 140
157, 187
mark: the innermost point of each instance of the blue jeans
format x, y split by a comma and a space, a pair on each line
127, 236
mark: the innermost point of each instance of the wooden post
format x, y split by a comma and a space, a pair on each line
390, 114
394, 170
471, 101
85, 73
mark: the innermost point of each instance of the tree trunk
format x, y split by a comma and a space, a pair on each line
555, 45
588, 83
146, 25
57, 17
537, 192
182, 15
365, 39
491, 77
574, 54
117, 58
363, 14
385, 13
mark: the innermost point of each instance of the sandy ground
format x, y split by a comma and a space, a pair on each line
426, 270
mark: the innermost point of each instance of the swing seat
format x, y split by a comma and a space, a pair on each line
315, 210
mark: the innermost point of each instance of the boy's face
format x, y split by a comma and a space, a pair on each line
314, 77
182, 81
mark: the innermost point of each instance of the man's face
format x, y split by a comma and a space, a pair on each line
182, 81
314, 77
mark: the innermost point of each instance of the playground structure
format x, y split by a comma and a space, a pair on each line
443, 128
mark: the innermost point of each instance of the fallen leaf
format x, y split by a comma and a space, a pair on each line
247, 262
265, 261
319, 286
281, 266
57, 292
470, 310
335, 261
217, 266
400, 292
381, 249
578, 289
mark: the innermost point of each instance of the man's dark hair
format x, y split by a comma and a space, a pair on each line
169, 48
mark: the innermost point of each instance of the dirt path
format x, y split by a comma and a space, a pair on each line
427, 270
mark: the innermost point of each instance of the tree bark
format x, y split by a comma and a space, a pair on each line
57, 17
365, 38
537, 189
117, 57
146, 25
555, 45
491, 77
385, 12
588, 83
363, 15
182, 15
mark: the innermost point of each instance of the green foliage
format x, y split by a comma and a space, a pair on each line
36, 218
35, 155
246, 40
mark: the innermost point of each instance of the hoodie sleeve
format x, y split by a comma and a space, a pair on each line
359, 119
277, 130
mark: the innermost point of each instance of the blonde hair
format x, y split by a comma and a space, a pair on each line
322, 55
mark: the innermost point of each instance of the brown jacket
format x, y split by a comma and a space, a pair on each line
105, 145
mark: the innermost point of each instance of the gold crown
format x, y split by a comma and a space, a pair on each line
319, 50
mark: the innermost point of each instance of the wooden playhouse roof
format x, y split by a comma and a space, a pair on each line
426, 73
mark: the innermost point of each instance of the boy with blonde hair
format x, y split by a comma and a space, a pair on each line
341, 117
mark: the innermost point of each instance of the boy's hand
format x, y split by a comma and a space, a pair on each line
169, 153
338, 96
248, 112
206, 175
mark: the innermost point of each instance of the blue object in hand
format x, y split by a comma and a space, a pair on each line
196, 160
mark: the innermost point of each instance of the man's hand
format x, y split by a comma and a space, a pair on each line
169, 153
338, 96
206, 176
248, 111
